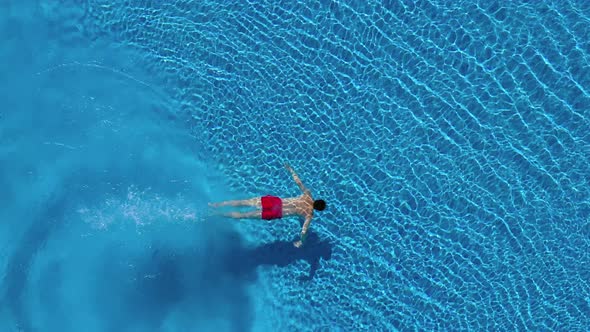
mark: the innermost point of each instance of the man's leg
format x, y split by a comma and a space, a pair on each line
244, 215
244, 202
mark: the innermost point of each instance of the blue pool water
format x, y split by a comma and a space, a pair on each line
451, 141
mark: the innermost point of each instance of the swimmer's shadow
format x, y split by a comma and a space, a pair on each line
283, 253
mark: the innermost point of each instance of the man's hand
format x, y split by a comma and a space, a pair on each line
298, 244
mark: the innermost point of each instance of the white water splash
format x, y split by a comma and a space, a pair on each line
140, 207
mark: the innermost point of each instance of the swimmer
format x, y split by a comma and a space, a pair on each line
271, 207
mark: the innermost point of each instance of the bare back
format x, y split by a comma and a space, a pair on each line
300, 205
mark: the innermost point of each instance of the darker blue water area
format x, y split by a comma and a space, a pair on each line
211, 286
450, 141
166, 279
281, 253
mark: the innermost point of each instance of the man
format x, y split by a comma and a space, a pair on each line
271, 207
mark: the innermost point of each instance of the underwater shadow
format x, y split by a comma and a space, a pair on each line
282, 253
191, 282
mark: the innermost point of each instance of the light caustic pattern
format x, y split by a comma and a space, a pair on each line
450, 140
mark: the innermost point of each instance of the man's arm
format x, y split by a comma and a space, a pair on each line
304, 229
296, 178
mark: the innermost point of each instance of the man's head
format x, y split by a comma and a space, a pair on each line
319, 204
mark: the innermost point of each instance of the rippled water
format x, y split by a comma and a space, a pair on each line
450, 140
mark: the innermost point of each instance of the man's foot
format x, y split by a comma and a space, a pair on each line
298, 244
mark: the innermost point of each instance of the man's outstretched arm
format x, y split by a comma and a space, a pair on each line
296, 178
304, 229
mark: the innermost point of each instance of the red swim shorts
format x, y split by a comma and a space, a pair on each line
272, 207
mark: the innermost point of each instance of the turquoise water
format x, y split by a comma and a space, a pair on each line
450, 139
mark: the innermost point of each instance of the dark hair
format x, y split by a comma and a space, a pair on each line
319, 204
